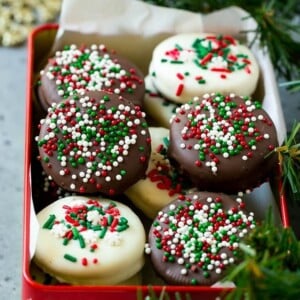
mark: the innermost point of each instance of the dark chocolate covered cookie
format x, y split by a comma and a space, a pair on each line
196, 237
94, 143
223, 143
75, 70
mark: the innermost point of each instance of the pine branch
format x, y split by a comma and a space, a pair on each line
289, 160
270, 267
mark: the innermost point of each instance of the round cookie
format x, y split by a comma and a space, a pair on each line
89, 143
162, 183
196, 237
156, 106
193, 64
223, 143
89, 241
75, 70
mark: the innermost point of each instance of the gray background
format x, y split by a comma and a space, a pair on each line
12, 119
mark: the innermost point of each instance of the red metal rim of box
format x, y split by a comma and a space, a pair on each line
34, 290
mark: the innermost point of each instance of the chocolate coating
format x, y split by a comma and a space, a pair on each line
89, 69
94, 143
223, 143
195, 238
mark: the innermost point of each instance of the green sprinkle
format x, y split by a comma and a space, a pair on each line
103, 232
187, 265
121, 228
97, 227
110, 219
81, 160
46, 159
123, 172
123, 220
81, 241
105, 98
49, 223
171, 258
177, 46
70, 257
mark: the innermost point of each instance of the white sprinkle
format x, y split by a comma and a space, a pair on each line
183, 271
180, 261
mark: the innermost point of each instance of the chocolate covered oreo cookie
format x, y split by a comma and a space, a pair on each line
196, 237
94, 143
223, 143
75, 70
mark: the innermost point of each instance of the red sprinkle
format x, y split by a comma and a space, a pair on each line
206, 58
220, 70
95, 260
179, 89
84, 261
180, 76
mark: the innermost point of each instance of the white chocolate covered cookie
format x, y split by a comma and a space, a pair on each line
89, 241
157, 106
162, 182
193, 64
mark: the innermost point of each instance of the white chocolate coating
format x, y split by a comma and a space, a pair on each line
156, 190
193, 64
107, 260
158, 107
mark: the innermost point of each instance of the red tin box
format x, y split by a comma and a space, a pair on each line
39, 44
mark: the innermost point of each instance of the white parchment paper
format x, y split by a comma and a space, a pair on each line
133, 28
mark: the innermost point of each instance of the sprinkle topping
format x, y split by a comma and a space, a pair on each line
164, 174
215, 53
90, 139
200, 234
87, 223
219, 127
186, 65
75, 70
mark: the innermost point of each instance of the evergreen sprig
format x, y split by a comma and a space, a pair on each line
270, 265
275, 28
289, 160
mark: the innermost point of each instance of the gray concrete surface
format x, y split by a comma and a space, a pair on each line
12, 113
